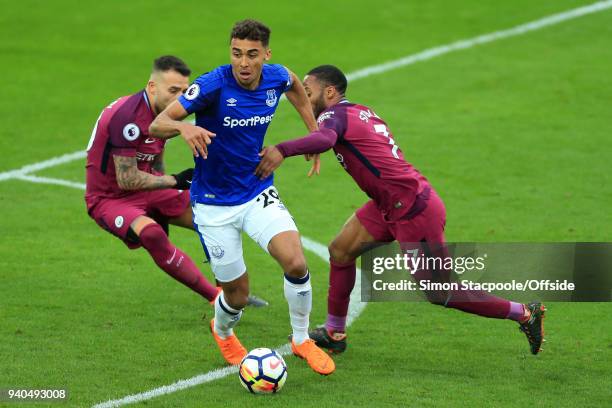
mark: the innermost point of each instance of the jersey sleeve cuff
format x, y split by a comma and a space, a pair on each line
187, 105
289, 79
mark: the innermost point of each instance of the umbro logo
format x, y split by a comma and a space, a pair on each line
231, 102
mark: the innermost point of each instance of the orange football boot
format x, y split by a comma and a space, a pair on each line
232, 351
316, 358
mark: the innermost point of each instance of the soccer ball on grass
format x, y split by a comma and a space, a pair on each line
263, 371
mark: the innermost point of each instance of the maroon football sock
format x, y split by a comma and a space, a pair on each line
341, 283
479, 302
174, 261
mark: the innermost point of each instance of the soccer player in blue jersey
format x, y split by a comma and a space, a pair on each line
234, 104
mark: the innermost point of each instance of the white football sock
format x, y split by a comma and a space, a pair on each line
226, 317
298, 293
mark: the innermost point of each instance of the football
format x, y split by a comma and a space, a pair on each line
263, 371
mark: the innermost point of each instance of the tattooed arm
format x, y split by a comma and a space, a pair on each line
158, 164
130, 178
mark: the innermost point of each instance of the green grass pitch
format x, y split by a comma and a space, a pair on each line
515, 136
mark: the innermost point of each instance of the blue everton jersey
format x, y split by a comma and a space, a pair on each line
240, 118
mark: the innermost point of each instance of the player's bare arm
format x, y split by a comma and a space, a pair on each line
130, 178
169, 123
298, 98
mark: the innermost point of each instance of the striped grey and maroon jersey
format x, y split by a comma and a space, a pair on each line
366, 149
122, 129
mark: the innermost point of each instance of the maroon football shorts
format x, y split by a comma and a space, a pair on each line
117, 214
427, 225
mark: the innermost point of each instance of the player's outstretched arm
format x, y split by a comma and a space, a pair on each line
131, 179
316, 142
298, 98
169, 123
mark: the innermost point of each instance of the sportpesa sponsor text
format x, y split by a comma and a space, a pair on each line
230, 122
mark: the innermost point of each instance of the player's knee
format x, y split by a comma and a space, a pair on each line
296, 267
153, 236
338, 253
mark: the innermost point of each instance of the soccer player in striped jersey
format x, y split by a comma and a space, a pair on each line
404, 207
128, 193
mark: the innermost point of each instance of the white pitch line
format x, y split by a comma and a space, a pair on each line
55, 161
356, 306
391, 65
482, 39
49, 180
355, 309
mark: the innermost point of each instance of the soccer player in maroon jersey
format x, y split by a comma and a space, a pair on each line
127, 192
403, 207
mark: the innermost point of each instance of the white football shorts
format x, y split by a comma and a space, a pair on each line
220, 230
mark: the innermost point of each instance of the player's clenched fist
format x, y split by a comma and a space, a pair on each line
197, 138
183, 179
271, 159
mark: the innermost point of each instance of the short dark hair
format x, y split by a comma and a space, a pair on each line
330, 75
250, 29
170, 62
